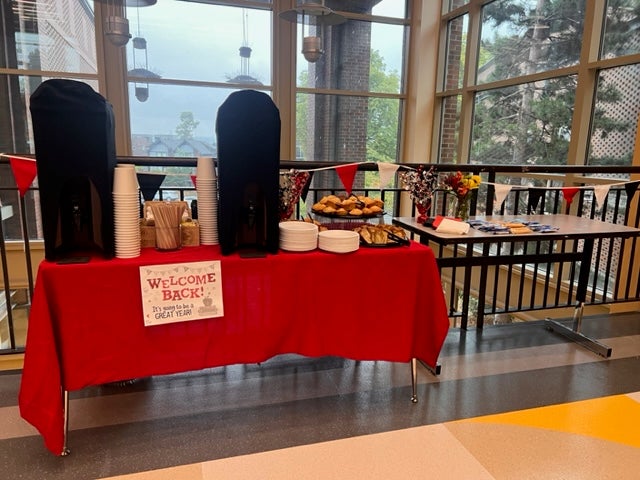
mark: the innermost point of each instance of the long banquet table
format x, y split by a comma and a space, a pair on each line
86, 321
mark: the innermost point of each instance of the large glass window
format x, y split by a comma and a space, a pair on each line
364, 128
617, 101
40, 36
519, 102
51, 35
362, 60
523, 37
621, 33
41, 39
525, 124
183, 61
349, 101
195, 41
615, 116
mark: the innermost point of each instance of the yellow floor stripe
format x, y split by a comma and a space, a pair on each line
615, 418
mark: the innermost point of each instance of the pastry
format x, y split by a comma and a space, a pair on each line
329, 209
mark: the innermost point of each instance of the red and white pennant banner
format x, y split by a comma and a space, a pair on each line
24, 171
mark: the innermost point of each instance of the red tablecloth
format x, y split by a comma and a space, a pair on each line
86, 325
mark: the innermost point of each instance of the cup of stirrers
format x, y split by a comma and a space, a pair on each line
168, 216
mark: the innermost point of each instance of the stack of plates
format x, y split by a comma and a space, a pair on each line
207, 191
339, 241
298, 236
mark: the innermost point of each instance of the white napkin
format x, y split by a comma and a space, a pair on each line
452, 226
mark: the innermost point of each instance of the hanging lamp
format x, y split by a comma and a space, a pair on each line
312, 14
117, 25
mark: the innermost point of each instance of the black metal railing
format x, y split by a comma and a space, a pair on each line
510, 289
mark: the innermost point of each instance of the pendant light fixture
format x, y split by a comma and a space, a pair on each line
117, 25
314, 16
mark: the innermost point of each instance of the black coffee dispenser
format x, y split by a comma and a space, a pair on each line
248, 133
74, 134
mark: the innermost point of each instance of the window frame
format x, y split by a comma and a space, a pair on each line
587, 69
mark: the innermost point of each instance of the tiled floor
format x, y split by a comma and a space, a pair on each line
512, 402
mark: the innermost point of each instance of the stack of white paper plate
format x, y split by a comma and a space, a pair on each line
298, 236
339, 241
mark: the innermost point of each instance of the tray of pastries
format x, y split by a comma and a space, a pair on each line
381, 235
352, 207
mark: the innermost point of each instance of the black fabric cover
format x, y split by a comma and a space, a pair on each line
74, 133
248, 133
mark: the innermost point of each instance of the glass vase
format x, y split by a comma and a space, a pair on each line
424, 208
462, 208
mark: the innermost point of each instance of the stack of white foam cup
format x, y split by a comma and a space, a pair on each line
126, 211
207, 191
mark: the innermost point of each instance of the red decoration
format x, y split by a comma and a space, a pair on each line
24, 171
347, 174
193, 180
569, 193
292, 185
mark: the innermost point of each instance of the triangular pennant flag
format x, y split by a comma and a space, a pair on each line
631, 188
569, 193
24, 172
535, 194
347, 174
387, 171
193, 180
307, 186
501, 192
292, 184
150, 184
600, 192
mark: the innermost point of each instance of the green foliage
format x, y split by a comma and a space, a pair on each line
531, 123
622, 28
384, 113
382, 127
187, 125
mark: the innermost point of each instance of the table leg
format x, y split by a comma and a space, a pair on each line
466, 291
65, 403
481, 298
574, 333
414, 380
434, 370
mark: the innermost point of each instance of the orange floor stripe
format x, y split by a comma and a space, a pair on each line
615, 418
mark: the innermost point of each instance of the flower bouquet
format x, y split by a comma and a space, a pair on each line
461, 187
